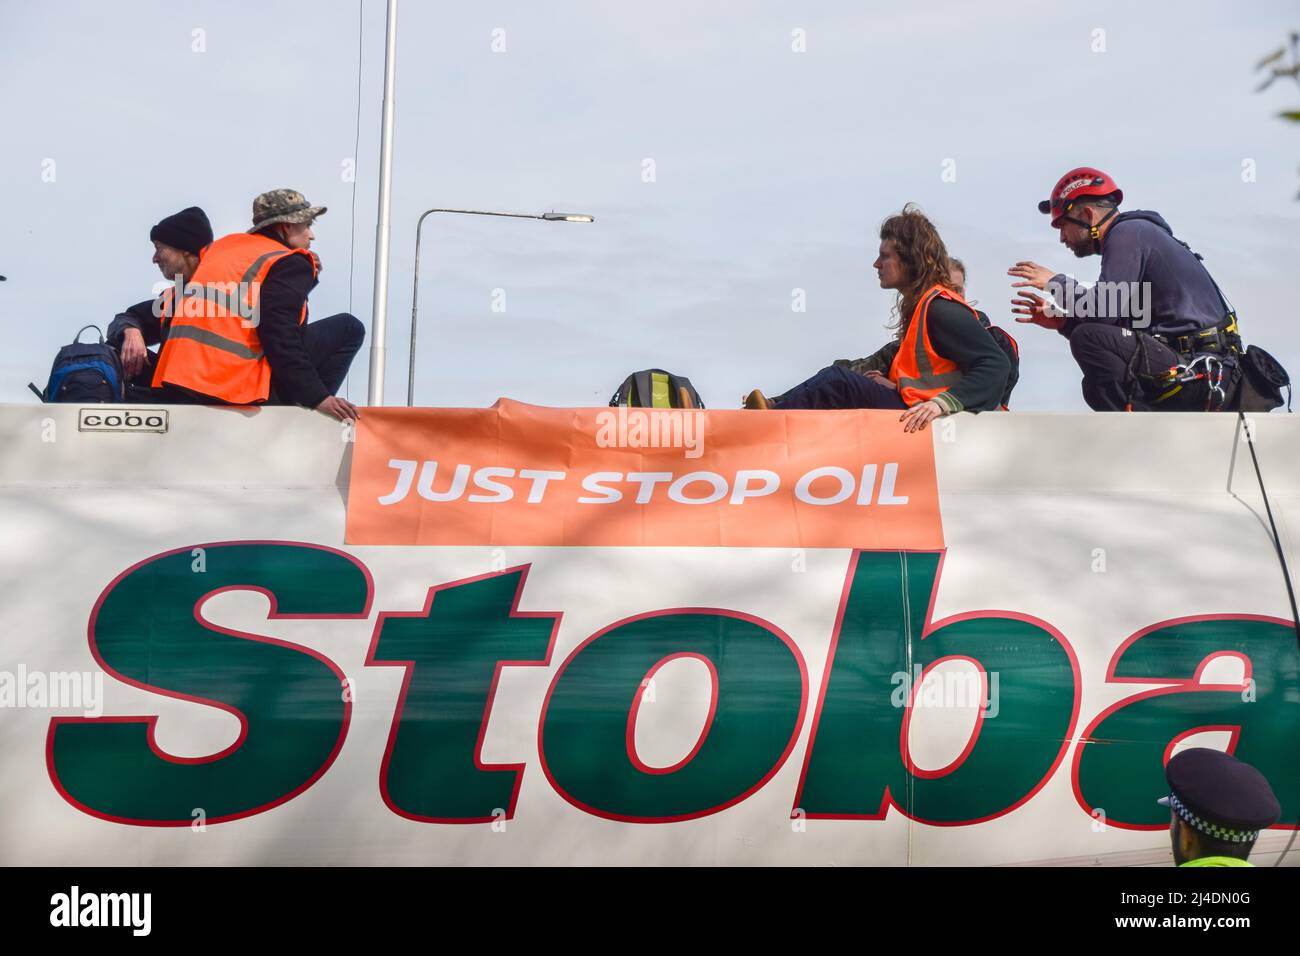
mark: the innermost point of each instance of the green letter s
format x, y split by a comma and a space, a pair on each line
147, 630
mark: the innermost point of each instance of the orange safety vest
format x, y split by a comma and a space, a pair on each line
212, 344
918, 370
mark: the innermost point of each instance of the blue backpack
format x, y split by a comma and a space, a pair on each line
84, 373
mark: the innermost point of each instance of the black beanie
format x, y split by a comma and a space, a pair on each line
188, 230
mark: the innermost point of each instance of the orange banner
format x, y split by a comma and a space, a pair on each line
518, 474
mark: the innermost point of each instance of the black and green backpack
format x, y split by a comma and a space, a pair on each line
655, 388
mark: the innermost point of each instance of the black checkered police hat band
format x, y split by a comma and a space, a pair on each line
1205, 826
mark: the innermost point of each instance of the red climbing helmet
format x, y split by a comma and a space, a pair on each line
1075, 185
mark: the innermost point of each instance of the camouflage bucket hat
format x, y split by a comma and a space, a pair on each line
283, 205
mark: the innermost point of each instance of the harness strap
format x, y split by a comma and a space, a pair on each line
1223, 337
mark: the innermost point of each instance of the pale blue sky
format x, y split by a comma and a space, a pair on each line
773, 169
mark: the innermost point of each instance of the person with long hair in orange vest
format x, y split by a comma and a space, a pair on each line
943, 360
240, 336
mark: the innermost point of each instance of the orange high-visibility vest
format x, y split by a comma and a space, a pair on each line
918, 370
212, 344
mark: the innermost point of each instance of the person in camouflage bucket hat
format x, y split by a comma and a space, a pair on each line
283, 205
309, 360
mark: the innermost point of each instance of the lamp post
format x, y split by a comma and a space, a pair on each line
415, 289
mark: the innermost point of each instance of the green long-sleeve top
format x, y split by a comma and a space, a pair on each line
957, 335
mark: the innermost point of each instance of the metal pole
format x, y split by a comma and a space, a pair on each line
379, 313
415, 301
415, 289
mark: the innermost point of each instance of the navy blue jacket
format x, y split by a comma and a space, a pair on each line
1175, 293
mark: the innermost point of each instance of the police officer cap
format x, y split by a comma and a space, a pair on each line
1216, 794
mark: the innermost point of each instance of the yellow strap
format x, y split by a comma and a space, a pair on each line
659, 394
1173, 391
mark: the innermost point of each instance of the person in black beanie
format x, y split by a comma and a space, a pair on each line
178, 242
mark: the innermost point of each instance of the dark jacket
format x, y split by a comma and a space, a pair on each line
142, 316
294, 380
1140, 248
958, 336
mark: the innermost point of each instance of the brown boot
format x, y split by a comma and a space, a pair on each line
756, 399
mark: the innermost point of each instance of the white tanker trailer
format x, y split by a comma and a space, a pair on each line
804, 639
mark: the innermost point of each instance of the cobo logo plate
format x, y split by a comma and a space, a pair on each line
122, 420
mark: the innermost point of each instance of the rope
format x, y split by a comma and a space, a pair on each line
356, 148
1286, 574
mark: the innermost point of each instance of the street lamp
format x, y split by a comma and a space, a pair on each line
415, 289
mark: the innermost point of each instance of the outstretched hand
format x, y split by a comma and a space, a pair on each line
1035, 276
1028, 307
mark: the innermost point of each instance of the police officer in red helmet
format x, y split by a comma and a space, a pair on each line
1154, 333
